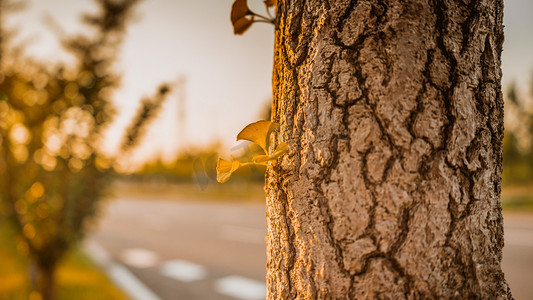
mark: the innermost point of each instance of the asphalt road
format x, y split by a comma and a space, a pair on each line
187, 250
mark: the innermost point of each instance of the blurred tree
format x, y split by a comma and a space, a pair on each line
51, 121
393, 114
518, 141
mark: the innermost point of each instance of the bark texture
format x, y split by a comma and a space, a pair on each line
393, 113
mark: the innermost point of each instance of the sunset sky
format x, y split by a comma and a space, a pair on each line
228, 78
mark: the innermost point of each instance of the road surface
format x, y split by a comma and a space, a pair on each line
202, 250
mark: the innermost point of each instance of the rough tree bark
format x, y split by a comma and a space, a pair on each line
393, 113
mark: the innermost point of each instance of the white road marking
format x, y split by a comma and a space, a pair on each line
518, 237
139, 258
241, 288
119, 274
243, 234
97, 253
183, 270
130, 284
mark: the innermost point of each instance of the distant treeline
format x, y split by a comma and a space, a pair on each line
197, 165
518, 140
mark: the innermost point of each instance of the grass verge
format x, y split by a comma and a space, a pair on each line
77, 276
517, 198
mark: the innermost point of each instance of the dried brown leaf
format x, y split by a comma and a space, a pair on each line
271, 3
239, 19
242, 25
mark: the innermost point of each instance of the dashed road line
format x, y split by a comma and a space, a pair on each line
241, 287
183, 270
233, 286
139, 258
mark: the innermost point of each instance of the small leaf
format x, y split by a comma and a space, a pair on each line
259, 133
270, 3
241, 25
225, 169
281, 149
239, 11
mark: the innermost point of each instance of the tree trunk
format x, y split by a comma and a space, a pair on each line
42, 279
393, 113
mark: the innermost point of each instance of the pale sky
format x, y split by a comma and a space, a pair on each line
228, 77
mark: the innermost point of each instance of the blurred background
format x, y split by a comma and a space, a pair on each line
113, 114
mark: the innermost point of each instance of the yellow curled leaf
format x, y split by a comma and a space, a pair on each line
281, 149
259, 133
225, 169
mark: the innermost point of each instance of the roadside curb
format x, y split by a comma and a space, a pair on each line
119, 274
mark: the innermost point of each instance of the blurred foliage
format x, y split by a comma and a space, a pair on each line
148, 110
199, 166
518, 140
51, 122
